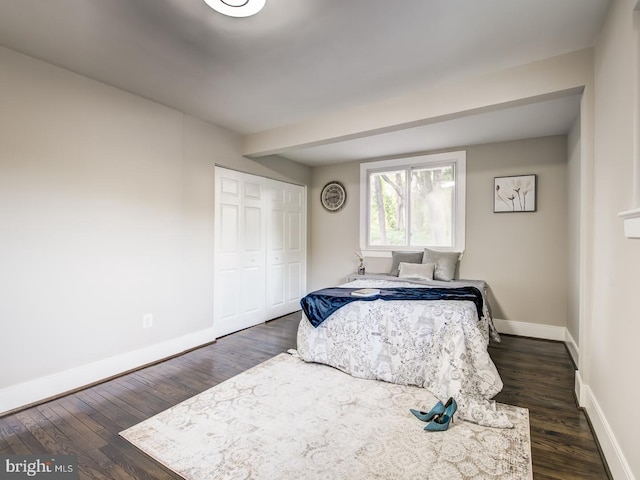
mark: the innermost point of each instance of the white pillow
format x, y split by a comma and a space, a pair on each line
421, 271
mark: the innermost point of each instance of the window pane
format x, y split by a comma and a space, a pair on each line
414, 202
432, 206
388, 208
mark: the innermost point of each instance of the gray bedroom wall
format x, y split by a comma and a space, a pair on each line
107, 208
609, 349
523, 256
574, 164
334, 236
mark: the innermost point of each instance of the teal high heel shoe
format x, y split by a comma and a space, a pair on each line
438, 409
441, 422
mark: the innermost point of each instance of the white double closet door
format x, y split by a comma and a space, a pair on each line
260, 249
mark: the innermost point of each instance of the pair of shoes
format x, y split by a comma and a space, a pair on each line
440, 423
438, 409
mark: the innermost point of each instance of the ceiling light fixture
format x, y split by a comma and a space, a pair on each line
236, 8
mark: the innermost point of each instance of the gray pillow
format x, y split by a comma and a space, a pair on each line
445, 262
406, 257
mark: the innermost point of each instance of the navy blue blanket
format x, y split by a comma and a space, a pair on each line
319, 305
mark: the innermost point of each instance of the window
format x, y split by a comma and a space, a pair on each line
412, 203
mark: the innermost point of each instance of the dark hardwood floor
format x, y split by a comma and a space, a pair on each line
537, 375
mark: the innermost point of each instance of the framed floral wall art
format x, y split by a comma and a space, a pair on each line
514, 194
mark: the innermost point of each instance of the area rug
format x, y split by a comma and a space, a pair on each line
288, 419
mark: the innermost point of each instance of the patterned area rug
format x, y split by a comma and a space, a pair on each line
287, 419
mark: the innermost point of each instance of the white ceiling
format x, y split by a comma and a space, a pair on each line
549, 117
301, 58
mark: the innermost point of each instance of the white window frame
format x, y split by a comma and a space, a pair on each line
459, 158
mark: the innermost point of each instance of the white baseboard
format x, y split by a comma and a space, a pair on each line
616, 460
572, 346
40, 389
535, 330
579, 389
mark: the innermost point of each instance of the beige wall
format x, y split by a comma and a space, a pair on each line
612, 343
522, 256
334, 236
574, 164
106, 208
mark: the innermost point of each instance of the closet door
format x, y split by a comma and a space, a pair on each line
240, 238
286, 248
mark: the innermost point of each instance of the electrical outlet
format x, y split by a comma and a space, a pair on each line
147, 320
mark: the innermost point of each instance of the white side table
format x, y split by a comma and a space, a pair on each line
367, 276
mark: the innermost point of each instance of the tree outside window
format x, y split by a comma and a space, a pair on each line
415, 204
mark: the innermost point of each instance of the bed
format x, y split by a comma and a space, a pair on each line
440, 345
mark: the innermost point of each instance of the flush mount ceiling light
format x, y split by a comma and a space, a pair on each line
236, 8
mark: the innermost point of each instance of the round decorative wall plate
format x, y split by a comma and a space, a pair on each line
333, 196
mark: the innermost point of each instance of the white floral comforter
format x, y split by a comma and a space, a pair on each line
440, 345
